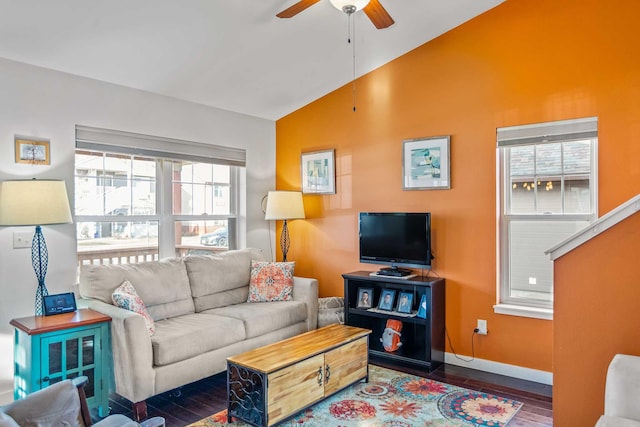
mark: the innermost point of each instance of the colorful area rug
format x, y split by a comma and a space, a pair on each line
396, 399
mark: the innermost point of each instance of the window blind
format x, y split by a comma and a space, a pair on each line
564, 130
108, 140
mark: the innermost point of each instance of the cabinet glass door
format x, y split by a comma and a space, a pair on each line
70, 355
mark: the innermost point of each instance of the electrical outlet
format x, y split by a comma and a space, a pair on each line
22, 239
482, 327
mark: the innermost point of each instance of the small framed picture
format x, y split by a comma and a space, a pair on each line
422, 309
425, 164
318, 170
405, 302
386, 299
365, 295
32, 152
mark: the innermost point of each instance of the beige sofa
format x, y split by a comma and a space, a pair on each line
201, 318
622, 389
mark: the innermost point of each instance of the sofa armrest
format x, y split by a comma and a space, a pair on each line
623, 387
306, 289
132, 351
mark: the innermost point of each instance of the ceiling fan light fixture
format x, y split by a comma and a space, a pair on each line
347, 5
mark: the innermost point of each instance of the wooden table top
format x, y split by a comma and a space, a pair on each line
33, 325
284, 353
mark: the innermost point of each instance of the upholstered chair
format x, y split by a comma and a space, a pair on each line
62, 405
622, 389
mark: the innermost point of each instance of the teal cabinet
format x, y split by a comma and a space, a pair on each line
50, 349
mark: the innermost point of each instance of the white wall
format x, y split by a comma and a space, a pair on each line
48, 104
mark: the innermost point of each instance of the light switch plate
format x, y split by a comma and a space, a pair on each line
22, 239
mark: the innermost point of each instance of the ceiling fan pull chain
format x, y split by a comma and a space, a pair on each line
353, 88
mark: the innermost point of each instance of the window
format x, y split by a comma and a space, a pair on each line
547, 180
140, 198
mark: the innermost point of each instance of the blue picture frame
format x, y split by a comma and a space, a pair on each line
422, 308
405, 302
386, 299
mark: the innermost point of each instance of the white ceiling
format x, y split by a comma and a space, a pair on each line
231, 54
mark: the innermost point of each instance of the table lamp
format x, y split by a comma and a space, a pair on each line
35, 202
284, 205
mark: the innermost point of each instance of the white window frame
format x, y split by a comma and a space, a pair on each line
529, 135
165, 151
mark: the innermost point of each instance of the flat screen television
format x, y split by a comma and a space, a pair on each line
396, 239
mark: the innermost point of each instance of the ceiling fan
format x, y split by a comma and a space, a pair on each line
372, 8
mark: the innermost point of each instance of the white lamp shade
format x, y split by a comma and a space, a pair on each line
284, 205
340, 4
34, 202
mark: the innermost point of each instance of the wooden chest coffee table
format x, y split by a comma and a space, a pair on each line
270, 384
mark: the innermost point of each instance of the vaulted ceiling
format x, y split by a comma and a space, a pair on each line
230, 54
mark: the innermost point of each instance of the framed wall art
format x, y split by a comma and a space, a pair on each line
319, 172
33, 152
425, 163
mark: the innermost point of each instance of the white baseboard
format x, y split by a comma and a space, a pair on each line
528, 374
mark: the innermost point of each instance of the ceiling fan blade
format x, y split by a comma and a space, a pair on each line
378, 14
296, 8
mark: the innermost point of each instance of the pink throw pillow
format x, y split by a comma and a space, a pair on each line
271, 281
125, 296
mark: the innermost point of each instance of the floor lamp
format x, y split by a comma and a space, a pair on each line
284, 205
35, 202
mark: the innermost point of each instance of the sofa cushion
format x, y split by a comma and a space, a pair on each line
183, 337
162, 285
222, 279
125, 296
260, 319
271, 281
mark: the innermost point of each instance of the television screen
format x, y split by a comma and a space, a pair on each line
396, 239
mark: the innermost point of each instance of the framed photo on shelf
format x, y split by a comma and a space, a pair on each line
405, 302
365, 296
425, 163
386, 299
422, 309
318, 170
32, 152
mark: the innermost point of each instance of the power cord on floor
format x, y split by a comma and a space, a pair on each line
473, 351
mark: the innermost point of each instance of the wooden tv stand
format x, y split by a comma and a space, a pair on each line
270, 384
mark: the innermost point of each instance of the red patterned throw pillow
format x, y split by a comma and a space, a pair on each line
271, 281
125, 296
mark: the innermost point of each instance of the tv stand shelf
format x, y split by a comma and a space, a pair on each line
422, 339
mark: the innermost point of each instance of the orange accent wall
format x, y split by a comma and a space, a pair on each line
525, 61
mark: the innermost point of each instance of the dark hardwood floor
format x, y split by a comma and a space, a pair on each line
208, 396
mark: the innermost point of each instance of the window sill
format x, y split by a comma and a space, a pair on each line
523, 311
